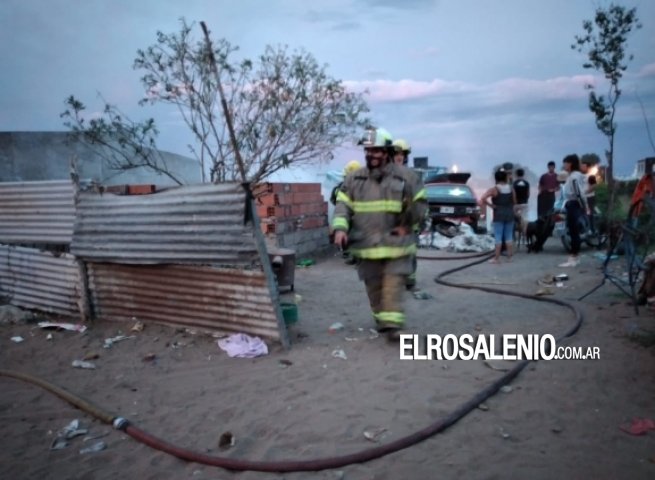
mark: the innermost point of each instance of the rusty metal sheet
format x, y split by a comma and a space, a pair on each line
37, 212
39, 280
208, 298
195, 224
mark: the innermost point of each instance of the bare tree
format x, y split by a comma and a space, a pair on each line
123, 143
284, 107
605, 42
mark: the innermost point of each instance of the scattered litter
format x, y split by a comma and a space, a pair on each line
374, 434
351, 339
149, 357
639, 426
493, 367
96, 447
72, 430
374, 334
285, 363
546, 280
17, 339
544, 291
559, 284
305, 262
339, 474
72, 327
506, 389
562, 277
48, 336
556, 429
226, 440
504, 434
137, 327
58, 443
336, 327
339, 354
83, 364
109, 342
241, 345
298, 298
95, 437
421, 295
484, 407
91, 356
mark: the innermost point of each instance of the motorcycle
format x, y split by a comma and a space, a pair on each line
591, 233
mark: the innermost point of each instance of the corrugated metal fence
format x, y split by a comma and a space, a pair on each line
182, 257
36, 212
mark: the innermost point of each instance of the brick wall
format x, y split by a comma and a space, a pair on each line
293, 215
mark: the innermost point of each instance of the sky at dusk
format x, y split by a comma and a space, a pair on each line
468, 82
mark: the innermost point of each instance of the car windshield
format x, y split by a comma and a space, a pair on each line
450, 191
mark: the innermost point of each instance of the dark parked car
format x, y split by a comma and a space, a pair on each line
452, 201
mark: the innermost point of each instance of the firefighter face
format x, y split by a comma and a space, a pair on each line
375, 157
399, 158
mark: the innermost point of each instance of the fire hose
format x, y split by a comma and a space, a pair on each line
293, 465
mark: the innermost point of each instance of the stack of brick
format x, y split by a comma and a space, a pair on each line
293, 215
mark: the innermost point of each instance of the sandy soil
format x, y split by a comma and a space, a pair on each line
561, 419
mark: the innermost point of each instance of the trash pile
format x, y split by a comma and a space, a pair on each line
456, 238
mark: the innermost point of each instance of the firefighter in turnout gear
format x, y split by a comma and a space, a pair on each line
401, 158
377, 207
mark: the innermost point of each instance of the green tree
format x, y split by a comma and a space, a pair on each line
284, 108
605, 43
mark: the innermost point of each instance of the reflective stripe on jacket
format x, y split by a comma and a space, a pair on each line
369, 209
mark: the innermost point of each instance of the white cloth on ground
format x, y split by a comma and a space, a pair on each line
243, 346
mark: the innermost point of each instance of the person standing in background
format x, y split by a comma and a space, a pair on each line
548, 187
522, 194
502, 202
574, 204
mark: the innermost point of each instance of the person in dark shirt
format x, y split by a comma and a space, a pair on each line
548, 186
522, 192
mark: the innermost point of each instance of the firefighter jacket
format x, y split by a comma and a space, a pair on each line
369, 209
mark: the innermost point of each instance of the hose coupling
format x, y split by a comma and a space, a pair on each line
120, 423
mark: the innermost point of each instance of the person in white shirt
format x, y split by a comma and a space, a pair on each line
574, 204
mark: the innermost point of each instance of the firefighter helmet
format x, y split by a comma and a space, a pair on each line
402, 146
351, 166
376, 138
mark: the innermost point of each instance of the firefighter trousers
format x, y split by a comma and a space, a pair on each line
385, 284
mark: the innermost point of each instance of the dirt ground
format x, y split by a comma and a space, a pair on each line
561, 419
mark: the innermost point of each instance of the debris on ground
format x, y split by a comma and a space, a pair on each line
338, 353
639, 426
72, 430
71, 327
336, 327
544, 291
374, 434
421, 295
240, 345
17, 339
137, 327
226, 440
96, 447
109, 342
83, 364
462, 239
